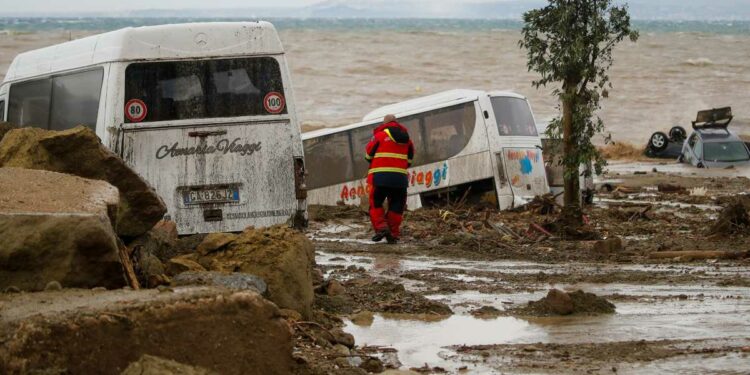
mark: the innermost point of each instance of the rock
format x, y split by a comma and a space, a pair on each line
150, 365
178, 265
79, 152
215, 242
290, 315
235, 281
363, 318
334, 288
486, 312
342, 362
372, 365
317, 276
160, 241
279, 255
608, 246
84, 332
343, 338
559, 302
53, 286
341, 349
57, 227
150, 269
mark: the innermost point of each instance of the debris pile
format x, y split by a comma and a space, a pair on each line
734, 218
558, 302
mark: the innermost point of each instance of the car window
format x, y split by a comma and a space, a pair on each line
726, 151
698, 149
692, 140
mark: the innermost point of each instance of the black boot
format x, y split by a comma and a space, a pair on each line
380, 235
391, 239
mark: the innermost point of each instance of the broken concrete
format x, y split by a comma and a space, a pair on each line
89, 332
279, 255
65, 237
79, 151
234, 281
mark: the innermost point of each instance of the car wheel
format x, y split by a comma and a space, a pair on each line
677, 133
658, 141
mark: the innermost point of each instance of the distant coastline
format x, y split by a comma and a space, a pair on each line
34, 24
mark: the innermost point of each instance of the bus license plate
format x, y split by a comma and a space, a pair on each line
212, 195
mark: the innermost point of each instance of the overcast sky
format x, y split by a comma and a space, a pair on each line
44, 6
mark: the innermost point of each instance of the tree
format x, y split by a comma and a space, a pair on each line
569, 43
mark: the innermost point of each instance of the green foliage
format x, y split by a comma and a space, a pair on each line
569, 43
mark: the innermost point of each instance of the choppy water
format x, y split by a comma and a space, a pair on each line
342, 69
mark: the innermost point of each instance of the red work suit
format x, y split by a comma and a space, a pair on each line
390, 153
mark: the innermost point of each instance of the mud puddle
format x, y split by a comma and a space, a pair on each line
648, 311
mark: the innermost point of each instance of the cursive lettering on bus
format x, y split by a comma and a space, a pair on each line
223, 146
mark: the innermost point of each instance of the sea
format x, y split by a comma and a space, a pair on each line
344, 68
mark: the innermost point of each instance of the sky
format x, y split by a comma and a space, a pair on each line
17, 6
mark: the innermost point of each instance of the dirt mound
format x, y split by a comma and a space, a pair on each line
87, 332
79, 152
734, 218
5, 128
281, 256
558, 302
326, 213
622, 151
380, 296
65, 237
150, 365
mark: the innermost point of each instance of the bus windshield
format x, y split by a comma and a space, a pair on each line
180, 90
513, 116
725, 151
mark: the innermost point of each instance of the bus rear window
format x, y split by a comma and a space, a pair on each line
513, 116
182, 90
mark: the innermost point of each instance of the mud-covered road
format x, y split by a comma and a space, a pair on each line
454, 295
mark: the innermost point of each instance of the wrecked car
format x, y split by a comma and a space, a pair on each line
666, 145
712, 144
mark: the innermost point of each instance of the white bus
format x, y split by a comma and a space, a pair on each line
462, 139
204, 112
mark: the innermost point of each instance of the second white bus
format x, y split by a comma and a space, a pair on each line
462, 138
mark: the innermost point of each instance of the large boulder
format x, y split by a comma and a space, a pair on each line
79, 151
281, 256
104, 332
57, 227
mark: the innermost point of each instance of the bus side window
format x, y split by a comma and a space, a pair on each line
448, 131
332, 154
29, 103
75, 100
57, 103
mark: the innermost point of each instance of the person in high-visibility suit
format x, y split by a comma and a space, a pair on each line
390, 153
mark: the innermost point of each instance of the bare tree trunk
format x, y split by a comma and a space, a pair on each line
571, 215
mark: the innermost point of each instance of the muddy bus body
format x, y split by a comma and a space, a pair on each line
203, 111
463, 139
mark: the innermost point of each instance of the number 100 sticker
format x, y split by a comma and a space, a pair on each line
274, 103
136, 110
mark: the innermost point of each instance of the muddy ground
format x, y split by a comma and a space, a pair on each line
456, 295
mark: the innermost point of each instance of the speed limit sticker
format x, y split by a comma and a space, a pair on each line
274, 103
135, 110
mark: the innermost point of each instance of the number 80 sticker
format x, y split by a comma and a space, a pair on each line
274, 103
135, 110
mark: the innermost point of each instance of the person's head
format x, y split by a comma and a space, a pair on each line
389, 118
